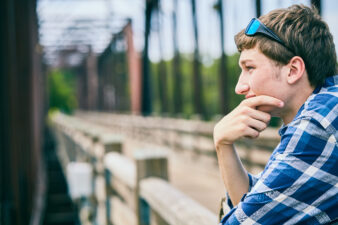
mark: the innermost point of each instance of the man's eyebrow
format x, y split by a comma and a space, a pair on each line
242, 62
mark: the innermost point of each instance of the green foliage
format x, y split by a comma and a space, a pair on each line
61, 88
186, 72
210, 76
234, 72
211, 82
210, 85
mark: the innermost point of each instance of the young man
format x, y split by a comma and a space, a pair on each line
288, 63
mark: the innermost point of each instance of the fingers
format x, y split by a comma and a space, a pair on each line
247, 120
257, 124
256, 114
251, 133
249, 123
263, 100
253, 122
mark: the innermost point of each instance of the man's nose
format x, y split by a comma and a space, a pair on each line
242, 87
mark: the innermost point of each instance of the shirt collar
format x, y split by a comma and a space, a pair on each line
329, 81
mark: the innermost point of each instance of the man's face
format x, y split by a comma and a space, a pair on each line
260, 76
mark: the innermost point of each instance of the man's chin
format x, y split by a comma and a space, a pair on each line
272, 110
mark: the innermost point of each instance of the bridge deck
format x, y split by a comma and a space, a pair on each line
199, 180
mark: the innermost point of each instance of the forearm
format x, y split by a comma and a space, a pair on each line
244, 121
234, 175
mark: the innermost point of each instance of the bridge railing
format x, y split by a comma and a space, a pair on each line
192, 137
125, 191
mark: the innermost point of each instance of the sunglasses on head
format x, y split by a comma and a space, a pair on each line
257, 27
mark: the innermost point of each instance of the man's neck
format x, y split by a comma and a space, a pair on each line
296, 102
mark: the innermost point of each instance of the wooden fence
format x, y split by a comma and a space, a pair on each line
126, 190
182, 135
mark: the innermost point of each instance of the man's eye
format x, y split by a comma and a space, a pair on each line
249, 67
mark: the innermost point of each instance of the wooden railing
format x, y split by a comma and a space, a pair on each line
126, 190
191, 136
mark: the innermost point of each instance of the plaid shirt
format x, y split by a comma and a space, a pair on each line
299, 184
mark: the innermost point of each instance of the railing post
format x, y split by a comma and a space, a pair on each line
111, 143
149, 163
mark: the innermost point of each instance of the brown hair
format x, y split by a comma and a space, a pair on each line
302, 30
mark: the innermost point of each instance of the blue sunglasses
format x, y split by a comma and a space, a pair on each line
257, 27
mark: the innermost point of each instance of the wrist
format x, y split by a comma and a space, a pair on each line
223, 146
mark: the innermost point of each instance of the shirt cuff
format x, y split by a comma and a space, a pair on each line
252, 180
226, 203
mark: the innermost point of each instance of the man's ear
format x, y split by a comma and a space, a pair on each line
296, 69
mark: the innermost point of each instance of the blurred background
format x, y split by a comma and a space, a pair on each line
98, 96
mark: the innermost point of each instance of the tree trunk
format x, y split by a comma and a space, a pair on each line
177, 76
162, 72
258, 8
146, 81
197, 77
223, 75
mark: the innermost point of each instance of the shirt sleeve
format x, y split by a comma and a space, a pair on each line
226, 203
294, 183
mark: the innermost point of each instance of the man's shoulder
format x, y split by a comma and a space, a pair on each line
323, 107
318, 116
326, 96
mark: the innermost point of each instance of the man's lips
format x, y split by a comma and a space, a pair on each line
249, 96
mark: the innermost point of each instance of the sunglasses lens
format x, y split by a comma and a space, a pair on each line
253, 27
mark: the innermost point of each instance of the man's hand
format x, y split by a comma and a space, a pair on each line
246, 120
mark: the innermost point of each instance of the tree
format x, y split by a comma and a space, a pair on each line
258, 8
223, 74
162, 72
197, 78
61, 91
177, 74
146, 107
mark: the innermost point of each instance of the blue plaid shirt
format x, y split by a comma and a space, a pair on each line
299, 184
